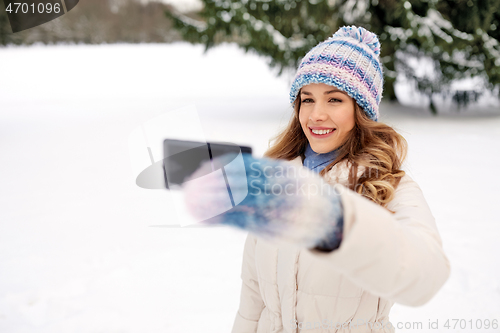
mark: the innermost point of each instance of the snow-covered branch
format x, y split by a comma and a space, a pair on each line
491, 44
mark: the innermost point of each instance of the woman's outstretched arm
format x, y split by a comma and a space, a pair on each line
395, 256
251, 304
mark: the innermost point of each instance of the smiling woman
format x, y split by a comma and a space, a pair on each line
339, 249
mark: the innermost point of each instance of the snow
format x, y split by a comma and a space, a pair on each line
83, 249
183, 5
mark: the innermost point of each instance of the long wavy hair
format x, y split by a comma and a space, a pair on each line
375, 145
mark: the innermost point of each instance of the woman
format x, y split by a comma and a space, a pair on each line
337, 231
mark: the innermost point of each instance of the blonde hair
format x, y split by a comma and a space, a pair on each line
374, 145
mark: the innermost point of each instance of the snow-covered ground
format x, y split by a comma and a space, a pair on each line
83, 249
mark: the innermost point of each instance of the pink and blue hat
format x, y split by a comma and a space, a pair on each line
348, 60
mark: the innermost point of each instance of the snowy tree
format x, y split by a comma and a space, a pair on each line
460, 37
283, 30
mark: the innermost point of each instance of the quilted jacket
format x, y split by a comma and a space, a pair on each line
383, 258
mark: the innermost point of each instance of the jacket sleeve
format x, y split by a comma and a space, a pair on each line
251, 303
398, 256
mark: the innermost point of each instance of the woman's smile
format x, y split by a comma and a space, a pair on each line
321, 133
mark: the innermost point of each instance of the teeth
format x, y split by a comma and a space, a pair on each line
322, 131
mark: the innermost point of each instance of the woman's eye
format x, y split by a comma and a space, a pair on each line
309, 100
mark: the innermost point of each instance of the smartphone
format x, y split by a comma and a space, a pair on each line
182, 158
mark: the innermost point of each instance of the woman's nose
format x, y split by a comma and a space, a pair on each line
318, 113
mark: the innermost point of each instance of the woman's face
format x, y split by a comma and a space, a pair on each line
328, 110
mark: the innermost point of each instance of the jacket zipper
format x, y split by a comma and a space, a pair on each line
295, 293
295, 305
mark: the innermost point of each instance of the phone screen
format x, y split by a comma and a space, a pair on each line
182, 158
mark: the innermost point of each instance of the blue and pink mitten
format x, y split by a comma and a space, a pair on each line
284, 203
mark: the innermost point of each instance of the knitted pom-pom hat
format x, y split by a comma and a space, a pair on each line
349, 61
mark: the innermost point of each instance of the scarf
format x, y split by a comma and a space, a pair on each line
317, 162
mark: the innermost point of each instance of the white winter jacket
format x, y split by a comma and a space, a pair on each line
383, 258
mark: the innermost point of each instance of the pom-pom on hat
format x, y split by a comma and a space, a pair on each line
348, 60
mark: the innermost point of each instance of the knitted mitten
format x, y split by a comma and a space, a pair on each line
284, 203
